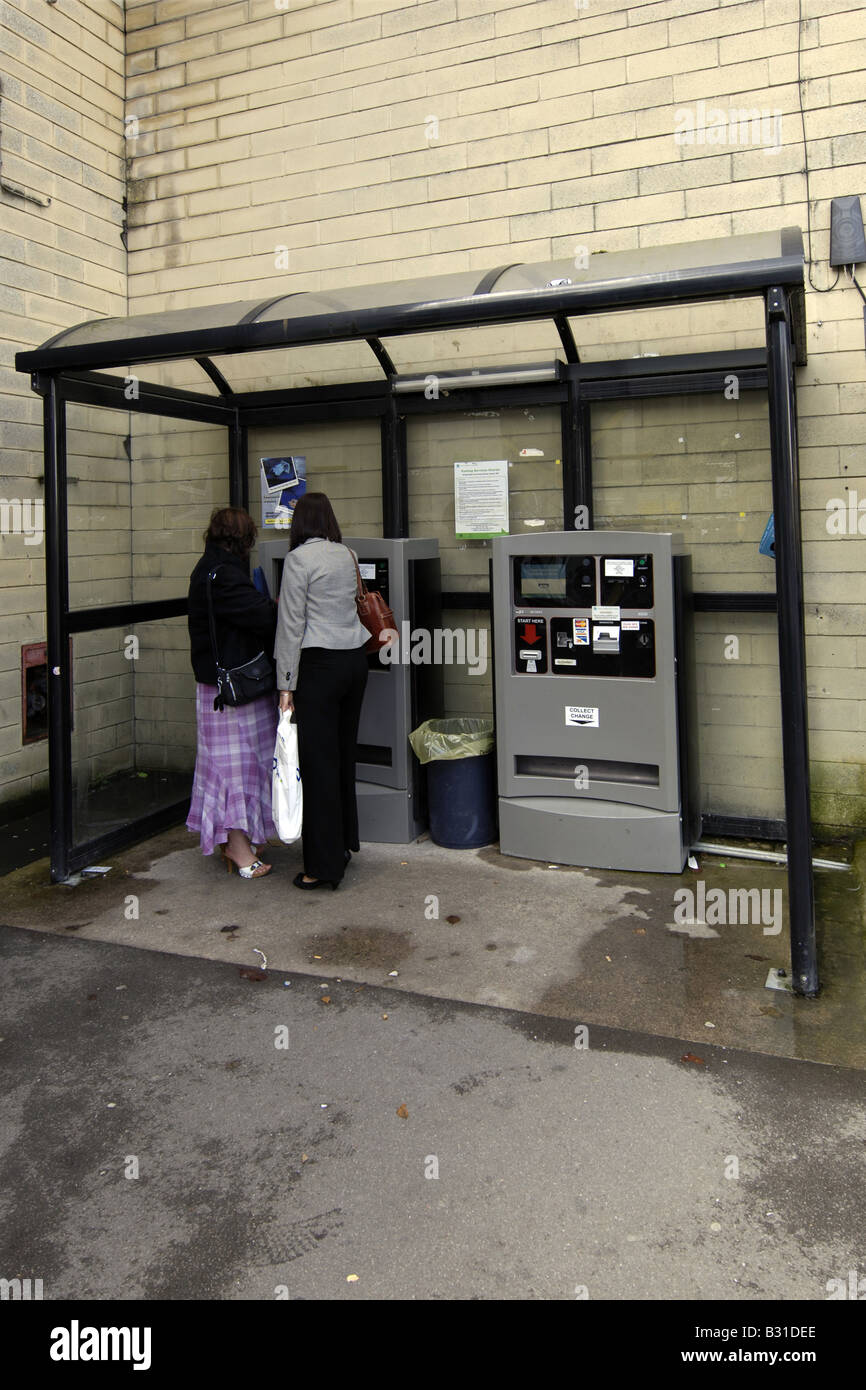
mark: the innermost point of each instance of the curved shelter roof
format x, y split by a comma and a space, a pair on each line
725, 267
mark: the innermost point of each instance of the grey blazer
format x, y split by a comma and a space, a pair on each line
317, 606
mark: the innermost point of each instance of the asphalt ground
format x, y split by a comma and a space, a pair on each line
172, 1129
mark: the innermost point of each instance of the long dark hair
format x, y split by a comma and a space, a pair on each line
233, 529
313, 517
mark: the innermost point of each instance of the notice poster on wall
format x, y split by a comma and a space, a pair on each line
284, 480
481, 499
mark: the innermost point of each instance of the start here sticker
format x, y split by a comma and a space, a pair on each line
582, 716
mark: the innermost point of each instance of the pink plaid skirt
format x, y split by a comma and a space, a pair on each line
234, 760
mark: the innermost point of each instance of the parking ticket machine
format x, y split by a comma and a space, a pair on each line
592, 656
400, 694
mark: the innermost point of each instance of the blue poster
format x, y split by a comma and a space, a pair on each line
284, 480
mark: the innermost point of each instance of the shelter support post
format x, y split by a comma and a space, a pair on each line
792, 642
239, 483
395, 473
576, 460
59, 655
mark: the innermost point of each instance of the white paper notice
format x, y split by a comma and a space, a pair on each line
481, 499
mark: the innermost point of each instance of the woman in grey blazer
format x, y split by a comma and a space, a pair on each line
321, 673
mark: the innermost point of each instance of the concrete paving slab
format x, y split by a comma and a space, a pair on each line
589, 946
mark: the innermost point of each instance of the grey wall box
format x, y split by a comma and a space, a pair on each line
390, 783
847, 240
592, 653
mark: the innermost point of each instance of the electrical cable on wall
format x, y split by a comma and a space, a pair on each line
815, 287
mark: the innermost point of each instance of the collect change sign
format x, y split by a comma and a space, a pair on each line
582, 716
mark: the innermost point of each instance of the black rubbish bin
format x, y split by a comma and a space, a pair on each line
461, 780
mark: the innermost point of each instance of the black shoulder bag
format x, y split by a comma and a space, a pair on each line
240, 684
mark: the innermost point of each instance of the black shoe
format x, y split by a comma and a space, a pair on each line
298, 881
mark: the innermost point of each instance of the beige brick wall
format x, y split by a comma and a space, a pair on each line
61, 142
376, 140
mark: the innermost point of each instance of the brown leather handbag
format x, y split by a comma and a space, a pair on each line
374, 614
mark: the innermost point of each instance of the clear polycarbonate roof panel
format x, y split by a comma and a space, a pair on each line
615, 267
432, 289
145, 325
583, 284
651, 263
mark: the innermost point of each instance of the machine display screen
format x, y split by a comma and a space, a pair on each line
543, 579
554, 581
374, 573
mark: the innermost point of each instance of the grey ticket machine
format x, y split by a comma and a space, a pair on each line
400, 694
592, 650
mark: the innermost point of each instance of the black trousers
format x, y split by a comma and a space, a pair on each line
327, 701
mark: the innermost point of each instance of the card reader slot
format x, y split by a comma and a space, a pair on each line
597, 769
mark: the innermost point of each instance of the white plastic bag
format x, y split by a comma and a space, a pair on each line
288, 794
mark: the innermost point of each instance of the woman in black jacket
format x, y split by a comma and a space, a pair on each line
231, 795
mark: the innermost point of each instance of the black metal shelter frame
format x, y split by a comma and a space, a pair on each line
66, 369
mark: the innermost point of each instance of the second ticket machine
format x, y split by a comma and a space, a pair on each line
400, 695
593, 696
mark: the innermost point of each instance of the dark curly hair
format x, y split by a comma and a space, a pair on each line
233, 529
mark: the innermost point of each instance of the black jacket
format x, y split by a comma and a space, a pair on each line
246, 621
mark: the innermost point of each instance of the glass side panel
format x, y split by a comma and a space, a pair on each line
725, 325
141, 492
739, 715
700, 466
697, 465
179, 471
133, 741
99, 502
462, 349
183, 374
341, 458
284, 369
435, 444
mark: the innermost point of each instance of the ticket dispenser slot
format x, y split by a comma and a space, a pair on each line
606, 639
591, 660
